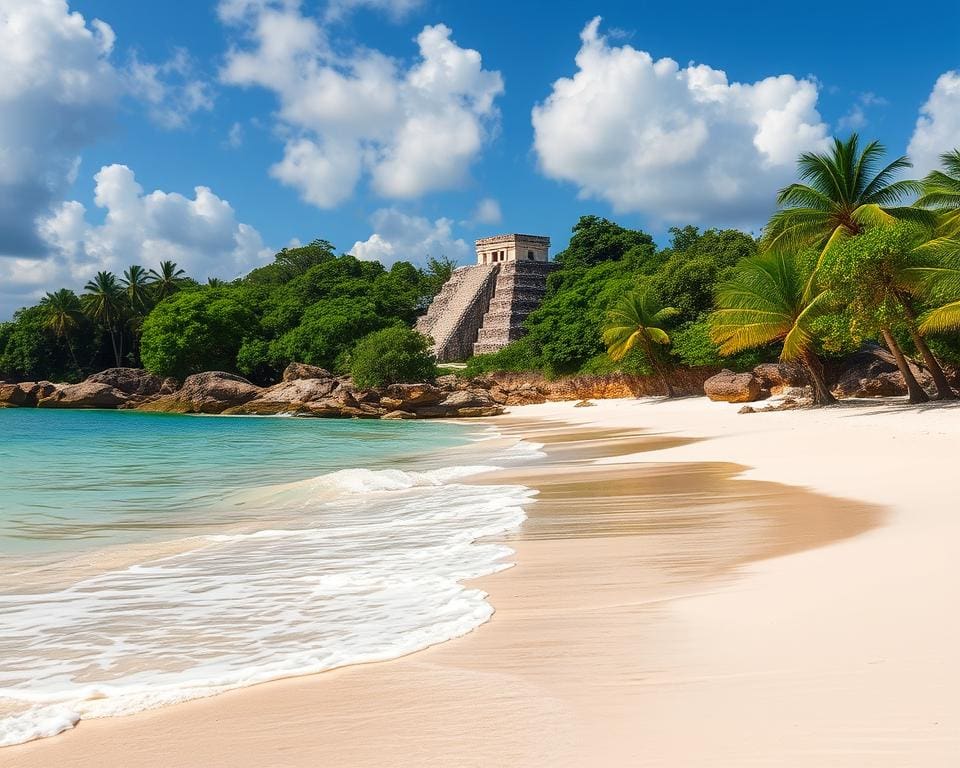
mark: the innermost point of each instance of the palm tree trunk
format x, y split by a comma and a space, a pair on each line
944, 390
821, 392
914, 390
651, 354
113, 343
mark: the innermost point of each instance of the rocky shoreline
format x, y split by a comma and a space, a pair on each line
308, 391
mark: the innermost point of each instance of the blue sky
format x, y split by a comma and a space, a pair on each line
367, 123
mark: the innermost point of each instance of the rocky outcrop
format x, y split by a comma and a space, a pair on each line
730, 387
25, 394
775, 377
134, 381
87, 394
210, 392
411, 396
291, 396
296, 371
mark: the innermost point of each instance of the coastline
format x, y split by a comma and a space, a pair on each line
626, 637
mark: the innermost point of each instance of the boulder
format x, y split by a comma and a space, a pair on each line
296, 371
87, 394
18, 395
730, 387
133, 381
413, 395
488, 410
584, 404
776, 376
209, 392
865, 374
390, 416
287, 397
468, 398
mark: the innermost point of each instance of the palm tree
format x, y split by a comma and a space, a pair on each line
841, 192
103, 302
941, 192
167, 280
136, 285
215, 282
63, 314
768, 300
638, 320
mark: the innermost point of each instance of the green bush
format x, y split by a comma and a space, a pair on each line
518, 356
394, 355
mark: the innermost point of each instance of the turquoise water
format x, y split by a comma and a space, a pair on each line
148, 559
78, 479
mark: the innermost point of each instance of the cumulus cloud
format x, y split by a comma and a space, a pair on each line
171, 90
488, 212
399, 237
58, 94
938, 127
202, 234
346, 116
679, 144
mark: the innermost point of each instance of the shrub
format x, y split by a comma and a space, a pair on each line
516, 357
394, 355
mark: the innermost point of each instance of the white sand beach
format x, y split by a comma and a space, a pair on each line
694, 588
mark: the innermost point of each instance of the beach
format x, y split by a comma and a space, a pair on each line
693, 587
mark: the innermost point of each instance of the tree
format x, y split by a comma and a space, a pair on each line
63, 316
167, 280
841, 192
436, 274
941, 192
393, 355
136, 286
768, 300
197, 330
103, 303
638, 320
596, 240
870, 275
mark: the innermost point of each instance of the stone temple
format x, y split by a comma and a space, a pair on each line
482, 307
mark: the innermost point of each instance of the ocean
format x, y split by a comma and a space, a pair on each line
148, 559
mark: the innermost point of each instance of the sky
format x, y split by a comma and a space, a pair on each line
215, 133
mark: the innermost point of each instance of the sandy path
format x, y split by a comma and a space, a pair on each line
662, 614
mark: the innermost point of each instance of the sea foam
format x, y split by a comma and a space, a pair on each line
367, 567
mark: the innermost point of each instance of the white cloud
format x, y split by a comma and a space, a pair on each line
938, 127
488, 212
399, 237
679, 144
201, 234
58, 94
410, 130
171, 89
396, 9
856, 117
235, 137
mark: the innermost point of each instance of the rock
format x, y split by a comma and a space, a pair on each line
296, 371
390, 403
487, 410
133, 381
209, 392
87, 394
398, 415
287, 397
18, 395
413, 395
468, 398
369, 396
747, 409
776, 376
731, 387
450, 383
584, 404
434, 412
802, 393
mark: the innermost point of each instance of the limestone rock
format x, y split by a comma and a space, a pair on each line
209, 392
287, 397
133, 381
468, 398
731, 387
414, 395
486, 410
84, 395
296, 371
584, 404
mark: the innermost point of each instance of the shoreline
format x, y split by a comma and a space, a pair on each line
631, 648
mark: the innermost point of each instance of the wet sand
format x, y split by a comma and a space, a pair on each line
645, 623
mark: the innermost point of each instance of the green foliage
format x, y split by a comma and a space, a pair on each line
596, 240
290, 263
197, 330
517, 356
390, 356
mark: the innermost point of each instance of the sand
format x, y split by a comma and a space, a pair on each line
693, 588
